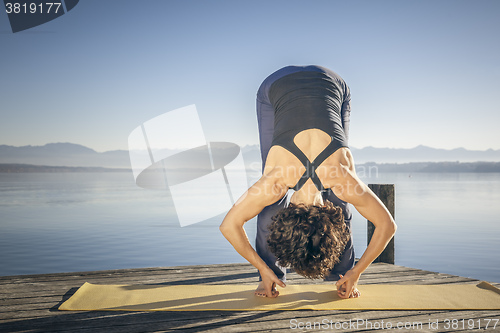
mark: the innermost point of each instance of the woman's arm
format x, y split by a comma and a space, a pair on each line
352, 190
263, 193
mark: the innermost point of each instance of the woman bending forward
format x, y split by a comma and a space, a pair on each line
308, 179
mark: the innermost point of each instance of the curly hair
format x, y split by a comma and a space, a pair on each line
308, 238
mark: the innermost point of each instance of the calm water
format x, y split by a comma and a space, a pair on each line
63, 222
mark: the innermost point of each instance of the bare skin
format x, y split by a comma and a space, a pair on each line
282, 171
261, 290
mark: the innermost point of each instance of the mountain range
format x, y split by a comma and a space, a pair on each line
74, 155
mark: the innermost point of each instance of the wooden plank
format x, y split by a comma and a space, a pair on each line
386, 194
29, 303
362, 321
20, 290
236, 322
216, 270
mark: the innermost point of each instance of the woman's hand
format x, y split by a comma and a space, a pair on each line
267, 287
346, 286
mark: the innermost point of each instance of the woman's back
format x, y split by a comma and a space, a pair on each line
286, 166
310, 105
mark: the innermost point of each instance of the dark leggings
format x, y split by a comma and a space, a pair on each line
265, 117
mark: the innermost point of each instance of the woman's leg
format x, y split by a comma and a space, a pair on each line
347, 257
265, 118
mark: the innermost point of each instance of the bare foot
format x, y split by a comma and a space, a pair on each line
261, 290
355, 293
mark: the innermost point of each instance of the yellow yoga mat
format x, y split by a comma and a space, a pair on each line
482, 296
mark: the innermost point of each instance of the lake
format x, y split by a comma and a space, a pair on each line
67, 222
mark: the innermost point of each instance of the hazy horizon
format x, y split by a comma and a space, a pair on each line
76, 155
246, 145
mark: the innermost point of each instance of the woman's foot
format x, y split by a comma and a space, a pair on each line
342, 292
261, 290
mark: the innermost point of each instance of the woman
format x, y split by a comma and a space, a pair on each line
303, 114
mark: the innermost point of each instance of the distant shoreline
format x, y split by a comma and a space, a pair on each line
435, 167
412, 167
31, 168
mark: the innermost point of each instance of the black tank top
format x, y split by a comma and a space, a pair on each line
306, 100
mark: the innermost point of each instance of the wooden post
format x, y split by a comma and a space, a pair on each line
386, 194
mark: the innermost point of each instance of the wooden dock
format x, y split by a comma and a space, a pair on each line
28, 303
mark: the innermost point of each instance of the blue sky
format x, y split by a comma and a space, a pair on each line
420, 72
